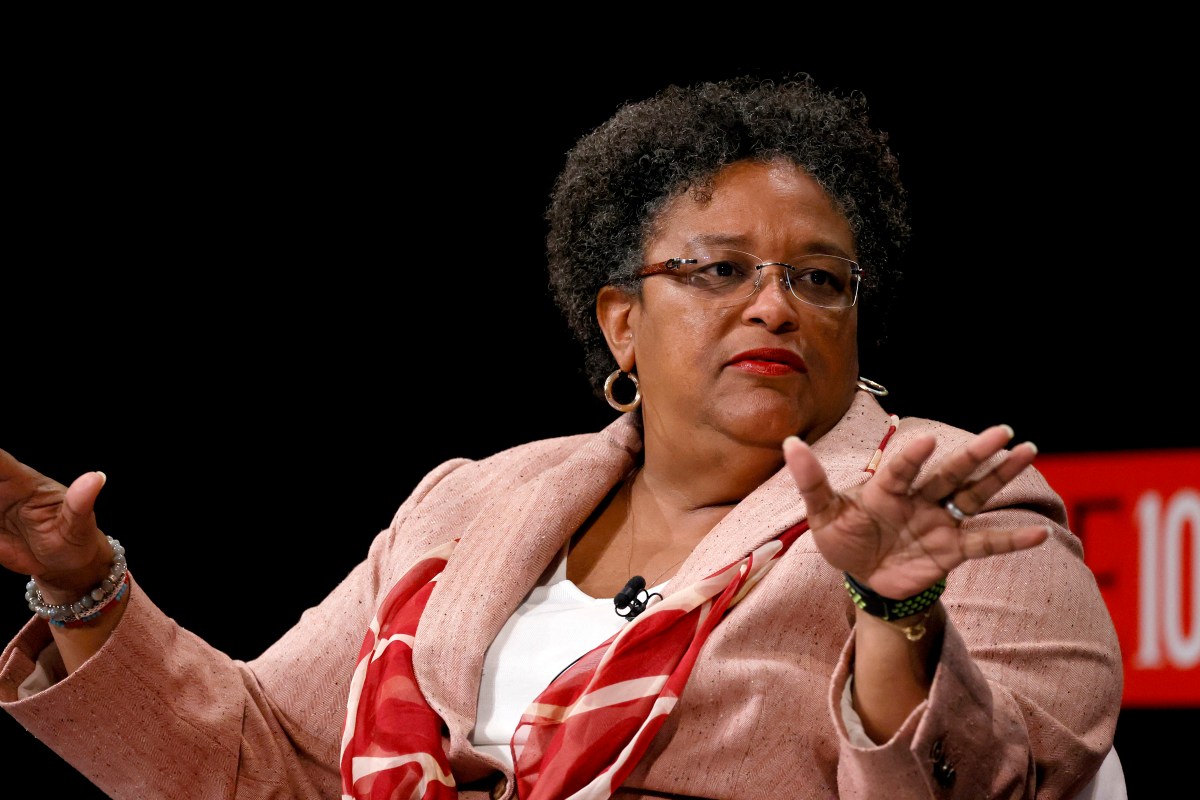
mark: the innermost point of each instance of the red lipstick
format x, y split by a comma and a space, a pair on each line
768, 361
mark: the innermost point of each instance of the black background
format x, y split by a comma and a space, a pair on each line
244, 280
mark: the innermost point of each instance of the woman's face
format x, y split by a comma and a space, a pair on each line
762, 369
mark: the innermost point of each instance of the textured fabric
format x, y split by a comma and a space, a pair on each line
392, 743
1024, 701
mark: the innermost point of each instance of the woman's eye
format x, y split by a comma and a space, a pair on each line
721, 269
818, 277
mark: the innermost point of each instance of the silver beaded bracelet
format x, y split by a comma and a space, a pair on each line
92, 603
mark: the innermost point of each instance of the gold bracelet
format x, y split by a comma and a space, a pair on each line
915, 631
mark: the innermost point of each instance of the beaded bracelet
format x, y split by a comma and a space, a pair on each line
92, 604
885, 607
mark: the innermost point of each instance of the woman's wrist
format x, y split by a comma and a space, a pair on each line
909, 615
66, 587
81, 606
877, 605
914, 627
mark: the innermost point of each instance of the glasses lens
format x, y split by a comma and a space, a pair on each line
721, 276
826, 281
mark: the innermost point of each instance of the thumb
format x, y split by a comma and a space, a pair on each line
80, 500
808, 474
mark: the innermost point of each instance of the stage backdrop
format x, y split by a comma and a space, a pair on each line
1138, 514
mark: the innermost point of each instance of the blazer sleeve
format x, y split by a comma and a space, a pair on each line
158, 712
1027, 690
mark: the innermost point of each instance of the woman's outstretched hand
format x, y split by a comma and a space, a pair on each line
900, 538
48, 530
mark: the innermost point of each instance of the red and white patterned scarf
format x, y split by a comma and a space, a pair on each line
582, 736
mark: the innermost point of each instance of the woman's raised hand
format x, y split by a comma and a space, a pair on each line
48, 530
900, 538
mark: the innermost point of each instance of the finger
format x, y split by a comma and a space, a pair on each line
974, 496
898, 474
993, 542
808, 475
962, 463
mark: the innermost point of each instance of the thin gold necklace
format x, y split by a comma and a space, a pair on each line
629, 508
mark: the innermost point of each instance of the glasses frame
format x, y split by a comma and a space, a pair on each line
671, 266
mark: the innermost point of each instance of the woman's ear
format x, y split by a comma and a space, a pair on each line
616, 311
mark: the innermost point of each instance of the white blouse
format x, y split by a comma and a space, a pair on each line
555, 625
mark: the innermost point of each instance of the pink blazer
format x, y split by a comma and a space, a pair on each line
1024, 702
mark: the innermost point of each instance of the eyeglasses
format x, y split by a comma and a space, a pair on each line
718, 277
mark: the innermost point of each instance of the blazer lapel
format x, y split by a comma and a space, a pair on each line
501, 557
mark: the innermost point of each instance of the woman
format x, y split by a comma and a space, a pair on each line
832, 600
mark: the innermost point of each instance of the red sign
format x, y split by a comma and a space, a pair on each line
1138, 515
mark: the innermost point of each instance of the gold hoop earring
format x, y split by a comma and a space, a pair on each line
871, 387
612, 401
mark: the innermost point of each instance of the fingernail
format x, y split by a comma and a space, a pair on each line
1032, 447
103, 477
1008, 428
792, 438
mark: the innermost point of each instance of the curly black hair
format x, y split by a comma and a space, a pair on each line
618, 177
